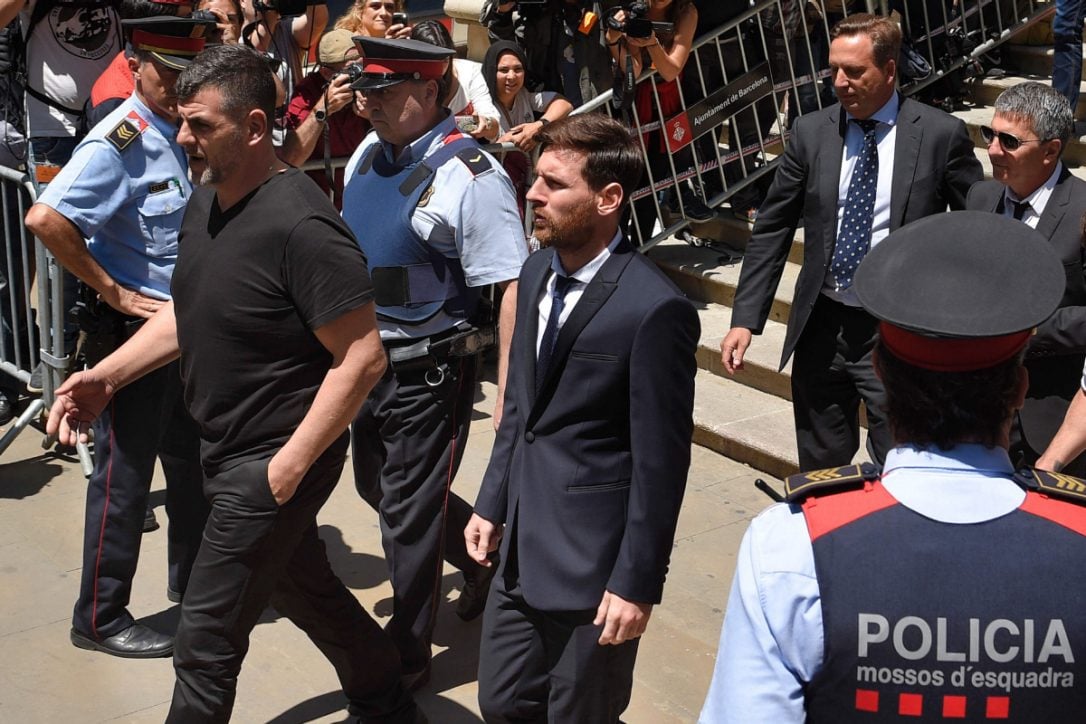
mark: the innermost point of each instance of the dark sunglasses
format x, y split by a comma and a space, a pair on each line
1006, 140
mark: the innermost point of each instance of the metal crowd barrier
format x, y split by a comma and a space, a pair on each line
746, 81
31, 306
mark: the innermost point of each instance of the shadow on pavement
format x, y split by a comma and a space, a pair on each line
27, 477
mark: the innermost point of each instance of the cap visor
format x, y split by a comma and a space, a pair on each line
172, 61
365, 84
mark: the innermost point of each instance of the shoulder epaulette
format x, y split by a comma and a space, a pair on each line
128, 130
1056, 485
475, 159
800, 486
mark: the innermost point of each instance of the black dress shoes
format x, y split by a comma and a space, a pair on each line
135, 642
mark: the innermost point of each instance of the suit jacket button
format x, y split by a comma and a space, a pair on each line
529, 436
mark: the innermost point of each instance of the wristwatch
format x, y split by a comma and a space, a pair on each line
321, 115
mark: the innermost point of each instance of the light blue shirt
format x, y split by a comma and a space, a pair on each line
771, 643
128, 203
472, 217
886, 141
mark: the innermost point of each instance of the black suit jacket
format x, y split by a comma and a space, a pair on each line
589, 474
934, 166
1055, 355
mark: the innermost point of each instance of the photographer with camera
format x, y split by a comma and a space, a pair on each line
656, 34
562, 40
287, 31
322, 120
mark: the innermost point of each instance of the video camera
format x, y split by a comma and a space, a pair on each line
636, 24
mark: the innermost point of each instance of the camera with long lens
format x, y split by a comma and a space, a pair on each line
636, 24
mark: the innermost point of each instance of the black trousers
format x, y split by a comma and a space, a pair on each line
831, 373
144, 421
543, 666
256, 552
407, 443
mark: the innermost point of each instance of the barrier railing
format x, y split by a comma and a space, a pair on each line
28, 328
746, 81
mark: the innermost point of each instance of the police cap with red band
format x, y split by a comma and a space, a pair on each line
388, 61
960, 291
172, 41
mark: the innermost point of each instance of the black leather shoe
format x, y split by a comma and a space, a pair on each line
135, 642
473, 595
7, 407
150, 522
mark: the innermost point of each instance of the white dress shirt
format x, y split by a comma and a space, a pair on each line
1037, 200
581, 279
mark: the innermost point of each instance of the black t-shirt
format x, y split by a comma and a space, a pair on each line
250, 286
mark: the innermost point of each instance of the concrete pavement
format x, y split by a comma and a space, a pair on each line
285, 679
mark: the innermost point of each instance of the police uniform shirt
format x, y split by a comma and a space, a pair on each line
771, 643
128, 202
1038, 200
886, 142
466, 215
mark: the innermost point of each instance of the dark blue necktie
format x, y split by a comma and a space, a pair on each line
854, 239
562, 285
1020, 208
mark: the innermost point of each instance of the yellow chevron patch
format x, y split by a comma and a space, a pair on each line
797, 487
1060, 485
123, 134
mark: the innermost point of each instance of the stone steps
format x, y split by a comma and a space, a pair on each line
748, 417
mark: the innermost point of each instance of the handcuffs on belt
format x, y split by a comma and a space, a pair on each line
428, 353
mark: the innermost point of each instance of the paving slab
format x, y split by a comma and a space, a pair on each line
284, 679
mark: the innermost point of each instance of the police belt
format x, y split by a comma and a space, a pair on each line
429, 354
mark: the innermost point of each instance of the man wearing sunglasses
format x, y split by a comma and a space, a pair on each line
1029, 131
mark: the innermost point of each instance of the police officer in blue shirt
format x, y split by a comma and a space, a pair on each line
948, 586
111, 217
437, 219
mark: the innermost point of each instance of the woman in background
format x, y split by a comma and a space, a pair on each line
467, 95
373, 19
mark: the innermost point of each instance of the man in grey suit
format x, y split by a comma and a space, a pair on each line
1030, 130
590, 462
852, 172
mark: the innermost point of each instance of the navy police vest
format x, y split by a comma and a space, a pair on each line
412, 281
927, 621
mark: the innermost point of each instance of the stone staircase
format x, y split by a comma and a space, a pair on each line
749, 417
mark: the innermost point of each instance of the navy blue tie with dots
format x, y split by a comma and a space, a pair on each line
854, 239
562, 283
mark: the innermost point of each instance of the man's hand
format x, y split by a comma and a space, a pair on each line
733, 347
78, 402
283, 477
339, 94
481, 537
622, 620
132, 303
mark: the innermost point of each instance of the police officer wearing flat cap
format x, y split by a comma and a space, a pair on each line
437, 219
948, 586
111, 217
